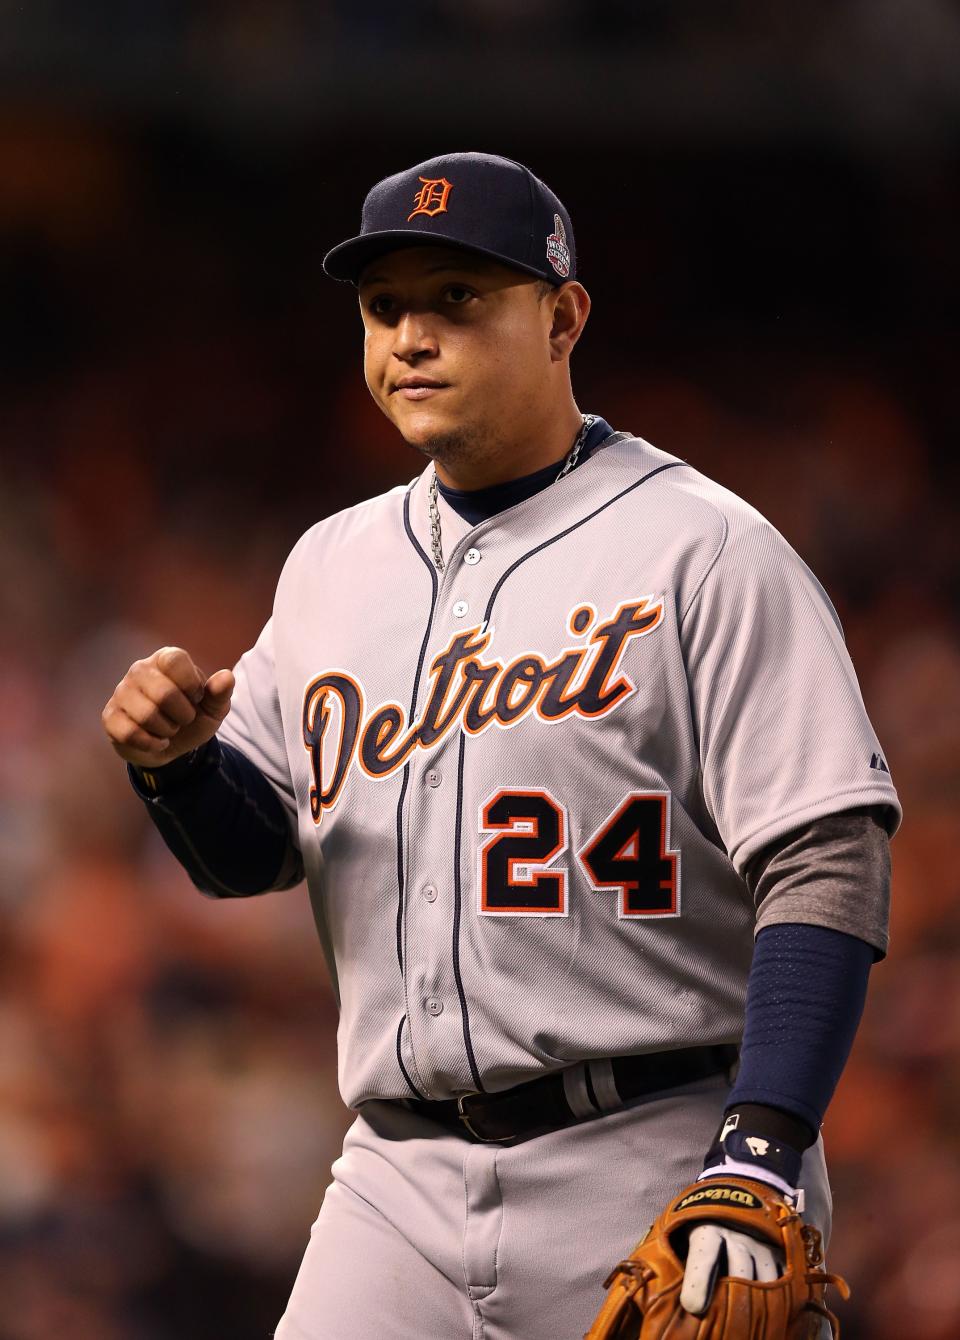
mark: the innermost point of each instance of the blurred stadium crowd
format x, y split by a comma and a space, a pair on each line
181, 397
863, 67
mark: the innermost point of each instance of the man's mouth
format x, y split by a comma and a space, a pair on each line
418, 388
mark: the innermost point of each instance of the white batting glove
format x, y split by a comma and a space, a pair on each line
746, 1258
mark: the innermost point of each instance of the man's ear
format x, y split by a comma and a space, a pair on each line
571, 307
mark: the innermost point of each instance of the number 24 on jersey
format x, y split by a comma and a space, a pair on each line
629, 855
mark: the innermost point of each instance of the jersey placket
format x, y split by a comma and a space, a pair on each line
435, 899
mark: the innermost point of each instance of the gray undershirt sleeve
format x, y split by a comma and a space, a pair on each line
833, 872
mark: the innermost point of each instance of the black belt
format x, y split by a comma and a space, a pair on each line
579, 1093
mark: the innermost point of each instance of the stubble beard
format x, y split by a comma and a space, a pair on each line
463, 445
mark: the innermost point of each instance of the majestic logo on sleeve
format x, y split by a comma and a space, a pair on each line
432, 197
470, 691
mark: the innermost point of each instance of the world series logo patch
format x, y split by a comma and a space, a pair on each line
558, 252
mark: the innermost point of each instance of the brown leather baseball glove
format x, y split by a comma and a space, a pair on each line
644, 1298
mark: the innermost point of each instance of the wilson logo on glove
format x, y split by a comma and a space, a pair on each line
719, 1191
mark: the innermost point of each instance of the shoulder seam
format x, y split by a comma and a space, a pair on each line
712, 562
724, 533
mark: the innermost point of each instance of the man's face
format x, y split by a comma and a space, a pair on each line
456, 347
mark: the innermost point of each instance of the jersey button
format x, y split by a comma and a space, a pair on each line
434, 1006
472, 556
460, 609
434, 777
430, 892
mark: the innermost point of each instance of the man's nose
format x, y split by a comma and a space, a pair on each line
414, 337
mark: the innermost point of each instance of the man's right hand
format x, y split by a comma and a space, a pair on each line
165, 706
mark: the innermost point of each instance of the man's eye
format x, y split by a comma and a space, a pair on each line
381, 305
458, 294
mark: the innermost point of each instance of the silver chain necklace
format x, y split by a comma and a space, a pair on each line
569, 462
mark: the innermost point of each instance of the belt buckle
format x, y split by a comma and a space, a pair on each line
465, 1118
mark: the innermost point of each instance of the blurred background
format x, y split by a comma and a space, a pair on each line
766, 205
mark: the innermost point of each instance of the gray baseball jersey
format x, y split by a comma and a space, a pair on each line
526, 789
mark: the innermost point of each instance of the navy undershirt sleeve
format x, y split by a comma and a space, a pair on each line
222, 820
805, 996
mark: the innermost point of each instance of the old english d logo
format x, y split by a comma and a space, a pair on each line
432, 197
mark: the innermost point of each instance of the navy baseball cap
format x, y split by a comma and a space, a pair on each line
477, 201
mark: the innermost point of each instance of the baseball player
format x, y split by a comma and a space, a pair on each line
566, 742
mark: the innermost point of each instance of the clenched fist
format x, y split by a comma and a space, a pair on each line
165, 706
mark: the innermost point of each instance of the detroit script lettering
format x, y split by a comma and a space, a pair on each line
469, 691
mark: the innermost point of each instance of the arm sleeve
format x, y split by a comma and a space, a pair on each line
834, 871
229, 813
222, 820
782, 731
805, 997
808, 983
